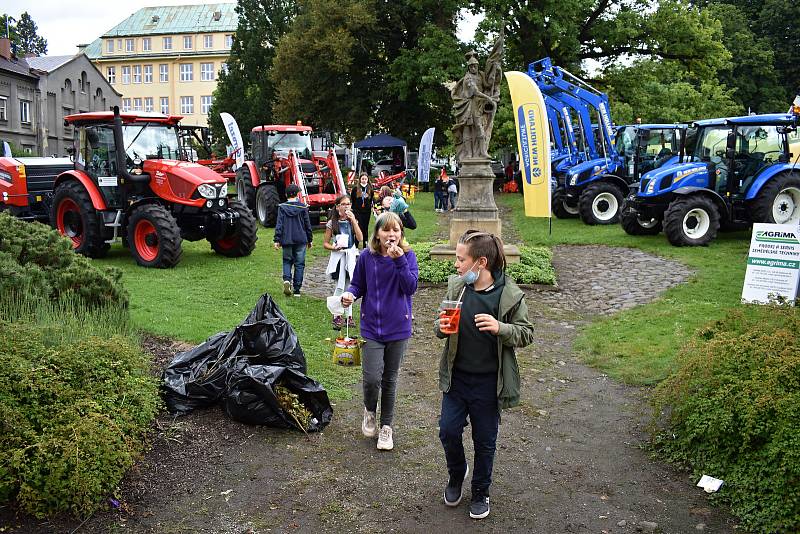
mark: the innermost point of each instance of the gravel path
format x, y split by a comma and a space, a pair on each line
570, 457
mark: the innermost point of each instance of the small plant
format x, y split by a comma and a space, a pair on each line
534, 266
733, 410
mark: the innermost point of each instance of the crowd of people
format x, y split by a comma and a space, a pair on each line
483, 318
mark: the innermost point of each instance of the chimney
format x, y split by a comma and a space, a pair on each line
5, 47
217, 15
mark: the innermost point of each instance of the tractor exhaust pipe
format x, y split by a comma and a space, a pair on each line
119, 142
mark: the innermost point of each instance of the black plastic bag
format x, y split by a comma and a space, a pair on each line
251, 397
205, 374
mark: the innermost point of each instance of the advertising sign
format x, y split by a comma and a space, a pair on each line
533, 142
232, 129
773, 264
424, 156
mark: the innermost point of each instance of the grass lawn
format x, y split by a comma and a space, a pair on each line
638, 346
206, 293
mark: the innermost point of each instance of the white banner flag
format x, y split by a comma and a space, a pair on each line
232, 129
424, 155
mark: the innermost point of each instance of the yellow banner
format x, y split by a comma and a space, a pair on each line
533, 142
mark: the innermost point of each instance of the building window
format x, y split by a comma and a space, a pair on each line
167, 43
126, 104
228, 41
137, 74
148, 74
208, 41
206, 72
146, 47
119, 44
126, 75
223, 68
205, 104
129, 45
164, 102
187, 72
187, 42
137, 104
3, 108
110, 46
148, 104
163, 73
111, 75
67, 126
24, 112
187, 105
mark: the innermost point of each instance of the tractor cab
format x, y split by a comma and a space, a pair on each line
644, 147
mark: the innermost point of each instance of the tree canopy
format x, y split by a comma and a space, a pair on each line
23, 35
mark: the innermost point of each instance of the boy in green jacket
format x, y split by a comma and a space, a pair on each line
478, 372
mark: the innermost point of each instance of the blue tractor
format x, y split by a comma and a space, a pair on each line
595, 185
732, 172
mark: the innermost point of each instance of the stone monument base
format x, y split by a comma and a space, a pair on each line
445, 252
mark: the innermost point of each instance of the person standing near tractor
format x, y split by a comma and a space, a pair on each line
293, 233
341, 233
440, 192
478, 372
362, 197
385, 279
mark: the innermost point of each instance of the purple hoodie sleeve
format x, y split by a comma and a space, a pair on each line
358, 284
407, 268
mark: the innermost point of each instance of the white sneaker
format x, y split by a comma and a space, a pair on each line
369, 427
385, 442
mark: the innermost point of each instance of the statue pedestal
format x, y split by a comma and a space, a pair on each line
475, 209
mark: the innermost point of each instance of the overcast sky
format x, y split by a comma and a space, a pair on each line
66, 24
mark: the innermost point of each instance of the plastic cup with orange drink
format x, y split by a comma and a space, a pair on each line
450, 316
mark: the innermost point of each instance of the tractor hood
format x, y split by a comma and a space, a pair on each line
668, 178
180, 179
586, 170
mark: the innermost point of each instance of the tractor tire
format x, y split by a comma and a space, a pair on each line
267, 201
691, 221
600, 203
778, 202
74, 216
154, 237
561, 209
245, 192
244, 241
635, 225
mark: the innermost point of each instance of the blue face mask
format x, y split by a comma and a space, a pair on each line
470, 277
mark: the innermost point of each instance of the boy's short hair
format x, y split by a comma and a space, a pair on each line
292, 190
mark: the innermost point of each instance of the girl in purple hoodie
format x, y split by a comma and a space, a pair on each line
386, 278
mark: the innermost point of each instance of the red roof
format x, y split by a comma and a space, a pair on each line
127, 117
282, 128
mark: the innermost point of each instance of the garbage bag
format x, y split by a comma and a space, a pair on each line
199, 377
251, 398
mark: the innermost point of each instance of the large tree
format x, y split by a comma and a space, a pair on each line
245, 89
23, 35
359, 66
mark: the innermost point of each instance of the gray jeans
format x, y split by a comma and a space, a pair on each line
380, 364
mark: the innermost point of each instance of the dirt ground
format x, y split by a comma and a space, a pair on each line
570, 459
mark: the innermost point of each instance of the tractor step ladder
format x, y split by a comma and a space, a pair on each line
115, 225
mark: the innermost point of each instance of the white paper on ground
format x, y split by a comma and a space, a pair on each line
709, 484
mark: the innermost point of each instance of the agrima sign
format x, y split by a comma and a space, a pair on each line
773, 264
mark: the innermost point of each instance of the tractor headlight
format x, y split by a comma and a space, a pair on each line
223, 191
573, 179
207, 191
651, 187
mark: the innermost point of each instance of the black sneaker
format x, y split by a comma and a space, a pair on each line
454, 490
479, 507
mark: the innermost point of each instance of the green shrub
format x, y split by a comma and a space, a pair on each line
733, 412
534, 267
72, 414
37, 263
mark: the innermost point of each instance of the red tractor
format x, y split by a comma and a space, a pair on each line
283, 155
127, 181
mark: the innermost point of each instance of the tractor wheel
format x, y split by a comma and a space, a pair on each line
267, 201
561, 209
635, 225
154, 237
245, 192
74, 216
243, 241
691, 221
778, 202
599, 203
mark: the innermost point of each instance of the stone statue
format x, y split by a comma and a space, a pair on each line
475, 98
